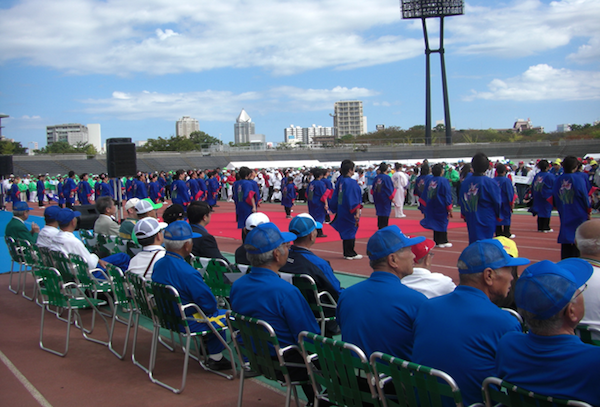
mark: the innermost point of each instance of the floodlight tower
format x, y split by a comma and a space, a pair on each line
424, 9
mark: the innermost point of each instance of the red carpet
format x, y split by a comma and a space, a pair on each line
224, 224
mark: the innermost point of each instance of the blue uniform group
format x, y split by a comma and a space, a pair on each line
345, 202
480, 206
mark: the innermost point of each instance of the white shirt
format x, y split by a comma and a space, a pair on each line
428, 283
591, 297
139, 262
47, 236
67, 243
400, 180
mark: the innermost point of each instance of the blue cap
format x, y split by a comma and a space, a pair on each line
303, 224
21, 206
51, 212
545, 288
389, 240
488, 253
266, 237
66, 215
180, 230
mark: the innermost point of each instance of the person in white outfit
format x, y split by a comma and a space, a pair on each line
422, 279
400, 180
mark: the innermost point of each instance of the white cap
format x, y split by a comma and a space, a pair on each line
145, 206
148, 227
257, 218
131, 203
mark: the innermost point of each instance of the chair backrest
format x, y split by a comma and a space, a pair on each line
118, 285
497, 391
46, 256
343, 370
31, 254
414, 385
50, 285
307, 286
127, 246
242, 268
168, 308
105, 245
89, 239
587, 334
140, 291
196, 263
215, 279
63, 265
13, 249
80, 268
256, 341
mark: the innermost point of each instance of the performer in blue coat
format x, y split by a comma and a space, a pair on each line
288, 196
139, 187
180, 193
317, 195
420, 184
244, 196
541, 188
436, 199
70, 189
212, 189
346, 203
41, 190
84, 190
59, 191
571, 198
507, 194
193, 183
480, 201
383, 192
154, 189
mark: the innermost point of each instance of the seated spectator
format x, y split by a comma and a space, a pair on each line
459, 332
587, 238
199, 213
128, 224
377, 314
422, 279
145, 208
148, 233
302, 261
255, 219
551, 359
174, 213
16, 226
106, 223
68, 243
49, 232
262, 294
511, 248
173, 270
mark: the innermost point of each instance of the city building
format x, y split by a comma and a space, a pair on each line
348, 118
314, 134
243, 128
563, 128
522, 125
186, 126
95, 136
293, 135
72, 133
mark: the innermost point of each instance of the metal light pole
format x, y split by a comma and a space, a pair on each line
424, 9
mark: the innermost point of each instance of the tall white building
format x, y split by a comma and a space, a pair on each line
186, 126
348, 118
95, 136
243, 128
72, 133
306, 135
293, 135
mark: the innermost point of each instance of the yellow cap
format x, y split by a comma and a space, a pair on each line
509, 246
557, 161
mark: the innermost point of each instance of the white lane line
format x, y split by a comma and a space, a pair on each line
26, 383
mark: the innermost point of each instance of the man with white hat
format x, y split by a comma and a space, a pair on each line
145, 208
173, 270
148, 232
252, 221
551, 359
131, 219
377, 314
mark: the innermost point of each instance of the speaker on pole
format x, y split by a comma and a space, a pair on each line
121, 159
6, 165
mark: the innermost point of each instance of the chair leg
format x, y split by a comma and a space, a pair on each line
18, 279
186, 360
35, 288
67, 339
136, 325
112, 332
241, 391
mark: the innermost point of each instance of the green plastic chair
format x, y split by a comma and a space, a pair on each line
215, 279
16, 256
318, 301
414, 385
105, 245
63, 265
121, 301
86, 278
46, 256
89, 239
32, 258
341, 369
586, 333
254, 339
170, 313
55, 292
497, 391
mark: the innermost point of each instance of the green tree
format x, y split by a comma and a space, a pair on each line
204, 140
11, 147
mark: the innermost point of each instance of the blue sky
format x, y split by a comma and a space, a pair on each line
137, 66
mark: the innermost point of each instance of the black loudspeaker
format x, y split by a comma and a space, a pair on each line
6, 165
121, 160
89, 214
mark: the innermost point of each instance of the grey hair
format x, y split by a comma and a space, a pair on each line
19, 213
377, 262
175, 245
547, 326
590, 246
260, 259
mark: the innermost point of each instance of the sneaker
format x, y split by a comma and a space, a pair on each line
513, 236
548, 231
444, 245
288, 217
222, 364
401, 216
357, 257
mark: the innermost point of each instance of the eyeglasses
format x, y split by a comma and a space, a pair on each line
581, 290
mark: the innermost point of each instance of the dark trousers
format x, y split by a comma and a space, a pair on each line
503, 230
543, 224
298, 373
568, 250
440, 237
382, 221
288, 211
349, 247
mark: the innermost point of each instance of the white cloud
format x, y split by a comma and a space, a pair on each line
543, 82
218, 105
